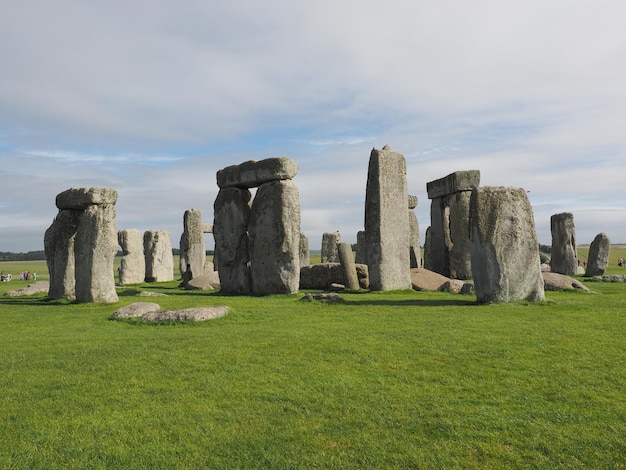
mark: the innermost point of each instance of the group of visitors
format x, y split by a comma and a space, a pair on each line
5, 277
24, 276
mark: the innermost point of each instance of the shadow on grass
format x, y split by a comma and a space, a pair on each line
413, 303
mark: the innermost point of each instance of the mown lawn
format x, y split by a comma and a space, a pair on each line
382, 380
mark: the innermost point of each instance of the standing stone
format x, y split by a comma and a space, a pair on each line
387, 222
157, 247
428, 261
95, 249
192, 247
305, 253
330, 240
449, 220
230, 229
133, 262
59, 249
598, 259
361, 254
504, 246
274, 230
348, 267
414, 235
564, 255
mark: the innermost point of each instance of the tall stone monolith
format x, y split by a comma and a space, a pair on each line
305, 253
564, 258
414, 234
387, 221
503, 246
274, 231
157, 247
133, 262
329, 253
598, 258
192, 247
231, 212
59, 249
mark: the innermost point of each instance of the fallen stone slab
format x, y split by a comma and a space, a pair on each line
610, 278
34, 288
424, 279
141, 293
137, 309
456, 286
559, 282
208, 281
326, 296
187, 314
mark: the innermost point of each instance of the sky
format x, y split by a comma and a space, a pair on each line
152, 98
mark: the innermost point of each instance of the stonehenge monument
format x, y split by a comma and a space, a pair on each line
133, 262
305, 253
598, 258
157, 247
503, 246
564, 255
81, 245
449, 252
192, 247
414, 235
257, 242
387, 221
330, 240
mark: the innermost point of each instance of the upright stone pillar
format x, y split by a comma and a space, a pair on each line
59, 249
564, 256
305, 253
598, 258
192, 246
95, 249
157, 247
449, 221
274, 230
387, 221
414, 235
361, 254
330, 240
504, 246
133, 262
230, 229
348, 268
428, 261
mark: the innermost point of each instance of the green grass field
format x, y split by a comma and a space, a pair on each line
382, 380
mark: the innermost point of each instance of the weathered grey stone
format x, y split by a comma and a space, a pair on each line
348, 268
424, 279
564, 255
558, 282
133, 262
412, 199
454, 286
59, 250
504, 246
274, 231
453, 183
459, 249
252, 173
414, 235
327, 297
230, 230
330, 240
209, 281
322, 276
136, 309
598, 258
361, 254
305, 253
387, 222
187, 314
157, 247
192, 247
32, 289
81, 198
428, 263
95, 249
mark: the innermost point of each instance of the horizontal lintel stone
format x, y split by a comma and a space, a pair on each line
453, 183
81, 198
254, 173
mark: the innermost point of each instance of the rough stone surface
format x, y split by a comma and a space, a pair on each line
330, 240
59, 251
136, 309
274, 231
428, 261
157, 247
459, 249
192, 247
361, 252
504, 246
322, 276
32, 289
598, 258
557, 282
133, 262
81, 198
187, 314
209, 281
453, 183
386, 221
327, 297
423, 279
252, 173
456, 286
230, 229
564, 255
414, 240
95, 249
348, 268
305, 253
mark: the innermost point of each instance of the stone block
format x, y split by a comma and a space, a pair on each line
81, 198
254, 173
453, 183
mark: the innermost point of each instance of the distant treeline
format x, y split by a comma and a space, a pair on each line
30, 256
